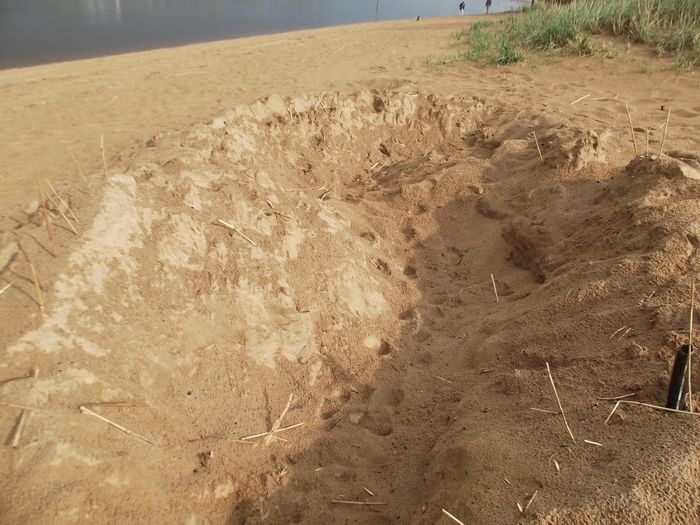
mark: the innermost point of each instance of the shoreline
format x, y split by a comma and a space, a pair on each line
255, 35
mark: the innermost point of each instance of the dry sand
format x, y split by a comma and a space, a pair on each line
307, 225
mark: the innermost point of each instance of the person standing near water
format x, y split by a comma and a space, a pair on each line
461, 8
488, 4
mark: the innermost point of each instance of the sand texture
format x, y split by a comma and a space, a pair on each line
362, 259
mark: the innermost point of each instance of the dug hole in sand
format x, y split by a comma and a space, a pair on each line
329, 259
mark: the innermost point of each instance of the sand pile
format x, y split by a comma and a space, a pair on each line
340, 249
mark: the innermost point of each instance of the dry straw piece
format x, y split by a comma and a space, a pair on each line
584, 97
493, 282
530, 502
60, 211
617, 331
634, 140
453, 518
561, 409
80, 172
690, 348
128, 432
538, 147
23, 407
35, 277
60, 199
655, 407
663, 140
545, 411
277, 423
104, 159
45, 213
348, 502
623, 396
262, 434
232, 227
611, 413
19, 428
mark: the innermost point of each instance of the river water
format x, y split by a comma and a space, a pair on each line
42, 31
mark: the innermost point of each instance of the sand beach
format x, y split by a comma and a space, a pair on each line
323, 277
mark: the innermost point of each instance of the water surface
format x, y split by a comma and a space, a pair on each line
41, 31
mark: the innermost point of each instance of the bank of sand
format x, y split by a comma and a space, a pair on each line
373, 199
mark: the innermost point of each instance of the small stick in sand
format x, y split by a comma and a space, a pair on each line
538, 147
19, 428
545, 411
346, 502
5, 288
456, 520
35, 277
584, 97
60, 211
116, 425
493, 281
611, 413
60, 199
520, 507
530, 502
277, 423
486, 370
634, 140
232, 227
80, 172
325, 195
623, 396
104, 159
443, 379
663, 139
690, 348
551, 379
556, 465
592, 442
368, 491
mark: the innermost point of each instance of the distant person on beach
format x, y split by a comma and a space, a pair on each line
488, 5
461, 8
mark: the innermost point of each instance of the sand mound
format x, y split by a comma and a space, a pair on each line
340, 249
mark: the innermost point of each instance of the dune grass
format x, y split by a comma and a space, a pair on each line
671, 26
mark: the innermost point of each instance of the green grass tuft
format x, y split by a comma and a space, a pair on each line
672, 27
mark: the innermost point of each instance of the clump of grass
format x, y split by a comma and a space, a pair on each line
507, 52
671, 26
